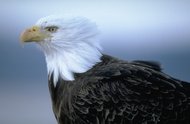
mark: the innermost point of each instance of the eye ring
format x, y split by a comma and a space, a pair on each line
51, 29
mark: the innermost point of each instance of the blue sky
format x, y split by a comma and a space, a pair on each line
156, 30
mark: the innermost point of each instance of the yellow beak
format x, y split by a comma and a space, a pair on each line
33, 34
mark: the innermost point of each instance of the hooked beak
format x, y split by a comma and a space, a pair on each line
33, 34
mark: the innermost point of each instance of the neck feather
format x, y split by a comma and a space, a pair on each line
63, 63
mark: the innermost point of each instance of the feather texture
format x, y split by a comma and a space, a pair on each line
120, 92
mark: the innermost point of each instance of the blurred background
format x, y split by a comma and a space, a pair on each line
156, 30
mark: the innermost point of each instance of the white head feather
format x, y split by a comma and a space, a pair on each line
73, 48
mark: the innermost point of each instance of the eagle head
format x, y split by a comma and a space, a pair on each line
70, 44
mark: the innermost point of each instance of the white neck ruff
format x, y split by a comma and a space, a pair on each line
65, 62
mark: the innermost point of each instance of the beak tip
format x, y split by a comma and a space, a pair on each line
22, 37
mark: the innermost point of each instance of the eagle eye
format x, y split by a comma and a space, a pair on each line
51, 29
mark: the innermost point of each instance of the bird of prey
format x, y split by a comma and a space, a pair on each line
89, 87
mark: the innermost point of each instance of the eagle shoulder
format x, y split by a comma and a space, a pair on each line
149, 64
124, 92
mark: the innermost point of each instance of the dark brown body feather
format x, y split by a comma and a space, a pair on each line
120, 92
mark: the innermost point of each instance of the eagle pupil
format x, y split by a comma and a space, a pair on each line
51, 29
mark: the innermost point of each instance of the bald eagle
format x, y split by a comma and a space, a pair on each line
89, 87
